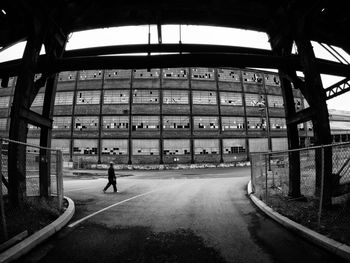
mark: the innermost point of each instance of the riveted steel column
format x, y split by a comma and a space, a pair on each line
18, 126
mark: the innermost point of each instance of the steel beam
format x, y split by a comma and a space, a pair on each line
35, 118
337, 89
212, 59
163, 48
301, 116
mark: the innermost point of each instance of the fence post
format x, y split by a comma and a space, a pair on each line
251, 174
322, 190
59, 178
266, 193
3, 229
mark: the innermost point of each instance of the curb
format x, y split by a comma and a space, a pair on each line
329, 244
38, 237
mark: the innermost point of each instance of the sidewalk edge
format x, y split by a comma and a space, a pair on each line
340, 249
29, 243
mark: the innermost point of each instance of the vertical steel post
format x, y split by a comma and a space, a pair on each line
3, 229
321, 190
252, 176
265, 178
59, 178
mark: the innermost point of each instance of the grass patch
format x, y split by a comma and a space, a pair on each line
35, 214
334, 221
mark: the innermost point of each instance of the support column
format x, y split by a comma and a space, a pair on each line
54, 48
161, 139
131, 98
285, 49
245, 116
71, 150
219, 112
191, 115
100, 119
18, 127
320, 121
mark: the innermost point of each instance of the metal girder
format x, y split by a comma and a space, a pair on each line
35, 118
301, 116
159, 48
338, 88
200, 57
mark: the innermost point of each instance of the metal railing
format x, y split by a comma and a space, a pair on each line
32, 178
271, 180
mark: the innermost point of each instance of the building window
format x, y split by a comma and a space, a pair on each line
309, 125
145, 123
301, 126
115, 122
34, 142
146, 73
145, 147
252, 77
272, 80
229, 75
204, 97
232, 123
33, 127
90, 74
176, 122
116, 97
175, 97
278, 123
275, 101
205, 123
203, 73
88, 97
85, 147
61, 123
254, 100
39, 100
175, 73
176, 147
233, 146
256, 123
114, 147
146, 96
3, 124
67, 76
4, 102
231, 98
9, 84
64, 98
86, 123
297, 104
206, 146
117, 74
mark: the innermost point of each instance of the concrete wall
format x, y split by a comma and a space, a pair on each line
192, 80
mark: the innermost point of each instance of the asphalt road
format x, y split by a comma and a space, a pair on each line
172, 216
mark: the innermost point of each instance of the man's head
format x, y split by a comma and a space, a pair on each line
111, 163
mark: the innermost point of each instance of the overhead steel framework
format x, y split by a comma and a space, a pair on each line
49, 23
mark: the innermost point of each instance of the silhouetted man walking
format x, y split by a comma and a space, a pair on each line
112, 179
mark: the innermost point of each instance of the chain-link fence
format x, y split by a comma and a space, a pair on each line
32, 196
271, 183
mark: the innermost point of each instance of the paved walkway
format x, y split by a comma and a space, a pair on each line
161, 210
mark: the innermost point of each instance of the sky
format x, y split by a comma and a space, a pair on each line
189, 34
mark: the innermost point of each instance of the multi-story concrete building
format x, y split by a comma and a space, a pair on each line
154, 116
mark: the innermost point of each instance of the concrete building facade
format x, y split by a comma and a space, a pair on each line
169, 115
